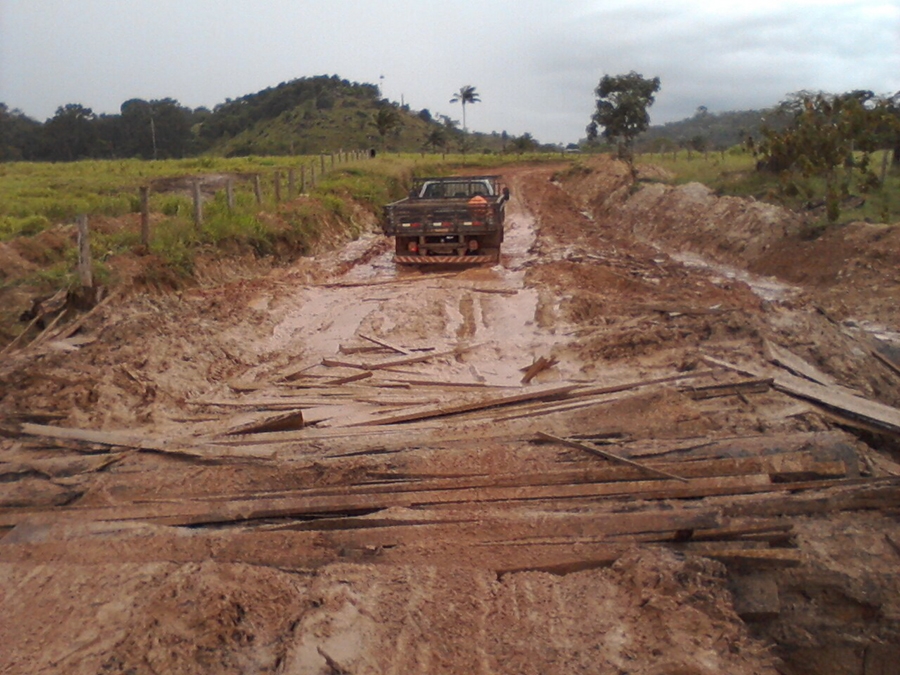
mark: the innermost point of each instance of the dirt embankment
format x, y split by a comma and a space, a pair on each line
851, 271
418, 521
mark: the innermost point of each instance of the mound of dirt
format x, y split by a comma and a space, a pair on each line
852, 271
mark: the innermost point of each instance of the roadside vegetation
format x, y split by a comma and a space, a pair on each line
39, 202
735, 172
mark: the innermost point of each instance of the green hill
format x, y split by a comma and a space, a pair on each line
710, 131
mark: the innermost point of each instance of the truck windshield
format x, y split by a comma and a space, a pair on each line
443, 190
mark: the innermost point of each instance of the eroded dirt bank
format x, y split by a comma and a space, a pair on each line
162, 502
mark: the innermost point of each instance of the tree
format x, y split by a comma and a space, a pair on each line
622, 103
70, 134
825, 132
437, 138
385, 120
524, 143
464, 96
19, 135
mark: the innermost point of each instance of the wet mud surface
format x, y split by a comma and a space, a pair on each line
348, 467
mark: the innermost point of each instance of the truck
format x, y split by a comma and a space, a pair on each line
455, 220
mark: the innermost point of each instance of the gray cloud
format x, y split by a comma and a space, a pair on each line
535, 63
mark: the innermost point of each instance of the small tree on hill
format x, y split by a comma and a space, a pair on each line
622, 103
437, 138
385, 121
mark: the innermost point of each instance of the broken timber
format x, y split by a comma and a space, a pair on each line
441, 411
610, 456
539, 365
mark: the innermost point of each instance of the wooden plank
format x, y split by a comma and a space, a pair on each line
289, 421
497, 291
383, 343
337, 363
743, 370
538, 366
755, 557
885, 360
782, 357
872, 412
491, 402
408, 360
175, 447
625, 386
605, 454
754, 386
351, 378
219, 510
442, 383
69, 329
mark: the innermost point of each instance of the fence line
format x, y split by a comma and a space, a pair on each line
309, 178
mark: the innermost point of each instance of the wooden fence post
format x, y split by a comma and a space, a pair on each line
198, 205
145, 216
257, 189
322, 157
292, 183
303, 179
277, 186
84, 254
229, 193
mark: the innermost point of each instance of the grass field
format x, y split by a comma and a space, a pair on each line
39, 203
734, 173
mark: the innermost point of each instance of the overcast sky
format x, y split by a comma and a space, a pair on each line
534, 63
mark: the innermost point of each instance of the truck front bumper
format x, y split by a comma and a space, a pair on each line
445, 259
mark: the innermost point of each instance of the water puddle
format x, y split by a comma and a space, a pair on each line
767, 288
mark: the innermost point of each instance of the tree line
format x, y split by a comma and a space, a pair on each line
161, 128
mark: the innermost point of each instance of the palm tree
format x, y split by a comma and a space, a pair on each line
385, 120
466, 94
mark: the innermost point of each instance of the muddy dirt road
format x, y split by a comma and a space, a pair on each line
615, 452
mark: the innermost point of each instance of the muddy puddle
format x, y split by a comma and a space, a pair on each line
766, 288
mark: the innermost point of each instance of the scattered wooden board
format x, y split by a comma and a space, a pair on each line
481, 404
387, 345
754, 386
605, 454
539, 365
782, 357
871, 412
288, 421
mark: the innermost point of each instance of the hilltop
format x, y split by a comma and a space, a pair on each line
304, 116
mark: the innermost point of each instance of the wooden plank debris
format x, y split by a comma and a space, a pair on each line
880, 415
782, 357
393, 363
539, 365
288, 421
754, 386
743, 370
385, 344
351, 378
605, 454
886, 361
111, 438
408, 360
544, 393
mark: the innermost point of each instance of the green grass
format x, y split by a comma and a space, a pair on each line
734, 173
39, 196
